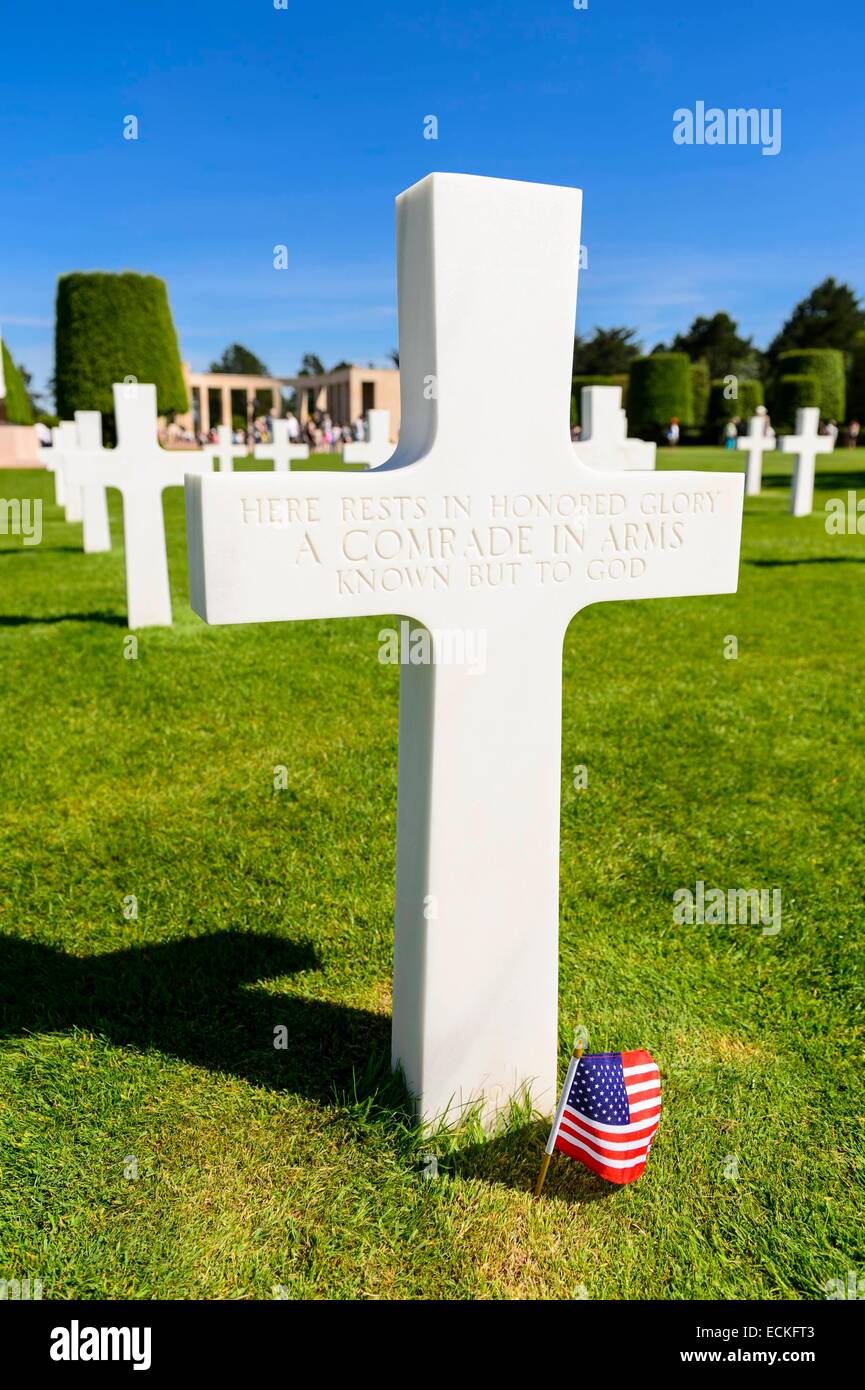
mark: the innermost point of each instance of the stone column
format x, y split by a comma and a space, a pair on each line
226, 405
204, 408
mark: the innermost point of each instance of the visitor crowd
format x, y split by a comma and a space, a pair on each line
320, 432
736, 426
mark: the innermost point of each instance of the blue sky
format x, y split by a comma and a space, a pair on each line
299, 126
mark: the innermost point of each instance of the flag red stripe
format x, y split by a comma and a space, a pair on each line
597, 1165
640, 1057
646, 1121
626, 1147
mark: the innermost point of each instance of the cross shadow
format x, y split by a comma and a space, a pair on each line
42, 547
26, 620
196, 999
809, 560
514, 1159
841, 481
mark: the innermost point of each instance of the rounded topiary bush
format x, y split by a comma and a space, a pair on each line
827, 366
110, 327
659, 389
18, 408
794, 393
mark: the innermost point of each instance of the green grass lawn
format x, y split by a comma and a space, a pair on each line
145, 1044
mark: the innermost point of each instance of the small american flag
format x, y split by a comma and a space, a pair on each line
608, 1113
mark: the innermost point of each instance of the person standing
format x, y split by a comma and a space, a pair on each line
673, 433
852, 434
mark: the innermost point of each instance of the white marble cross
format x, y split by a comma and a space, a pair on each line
806, 444
757, 443
376, 449
46, 454
490, 534
224, 452
141, 470
64, 441
604, 442
281, 449
53, 460
94, 498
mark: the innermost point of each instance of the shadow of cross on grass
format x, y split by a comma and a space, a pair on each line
824, 479
193, 999
512, 1159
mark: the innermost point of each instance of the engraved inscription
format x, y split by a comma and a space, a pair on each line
372, 543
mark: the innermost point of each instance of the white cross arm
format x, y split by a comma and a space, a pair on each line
271, 548
756, 443
225, 451
281, 450
797, 444
148, 473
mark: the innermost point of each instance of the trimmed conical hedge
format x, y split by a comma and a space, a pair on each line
110, 327
700, 387
18, 408
827, 365
723, 407
660, 389
792, 393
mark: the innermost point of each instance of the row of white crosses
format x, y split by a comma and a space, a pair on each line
805, 444
484, 521
604, 442
280, 451
88, 506
63, 438
141, 470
